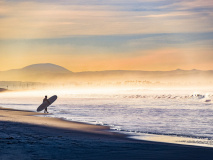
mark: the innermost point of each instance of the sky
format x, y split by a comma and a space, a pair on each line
95, 35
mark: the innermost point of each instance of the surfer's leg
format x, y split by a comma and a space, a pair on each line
45, 110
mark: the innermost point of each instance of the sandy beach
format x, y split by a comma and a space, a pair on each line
26, 136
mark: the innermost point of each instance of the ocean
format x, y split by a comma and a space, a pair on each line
180, 115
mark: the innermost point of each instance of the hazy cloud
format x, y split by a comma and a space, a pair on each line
78, 31
42, 19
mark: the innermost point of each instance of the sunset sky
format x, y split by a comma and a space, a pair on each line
94, 35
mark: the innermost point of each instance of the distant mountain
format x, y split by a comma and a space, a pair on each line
42, 72
47, 72
44, 68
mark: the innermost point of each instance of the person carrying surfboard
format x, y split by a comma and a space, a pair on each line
45, 99
46, 103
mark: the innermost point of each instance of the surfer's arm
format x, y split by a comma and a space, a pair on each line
48, 101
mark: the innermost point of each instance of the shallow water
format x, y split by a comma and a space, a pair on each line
177, 113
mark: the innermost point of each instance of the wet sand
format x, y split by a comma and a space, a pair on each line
26, 136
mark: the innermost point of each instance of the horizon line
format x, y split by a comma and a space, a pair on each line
108, 70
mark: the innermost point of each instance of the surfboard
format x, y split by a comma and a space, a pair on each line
46, 104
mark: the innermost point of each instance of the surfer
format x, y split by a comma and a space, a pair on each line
45, 99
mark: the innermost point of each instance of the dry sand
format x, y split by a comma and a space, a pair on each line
25, 136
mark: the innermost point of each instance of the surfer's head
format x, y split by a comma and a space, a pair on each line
45, 96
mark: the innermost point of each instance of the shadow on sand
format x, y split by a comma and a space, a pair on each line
27, 141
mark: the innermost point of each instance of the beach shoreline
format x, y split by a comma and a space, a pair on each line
26, 136
36, 118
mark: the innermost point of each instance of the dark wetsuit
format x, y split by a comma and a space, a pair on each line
45, 99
